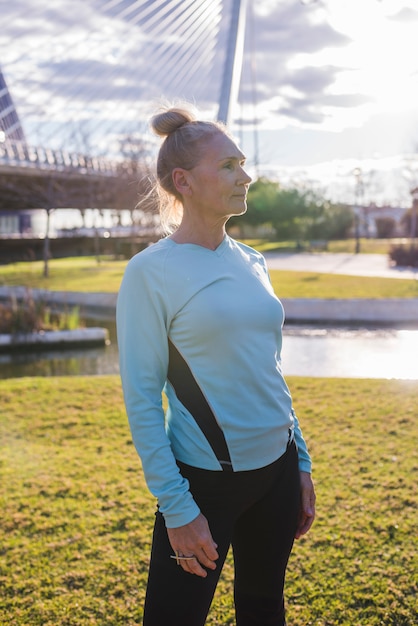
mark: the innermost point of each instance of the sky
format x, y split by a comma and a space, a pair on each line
329, 87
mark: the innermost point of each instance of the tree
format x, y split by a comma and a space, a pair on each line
289, 214
294, 214
283, 209
339, 220
262, 198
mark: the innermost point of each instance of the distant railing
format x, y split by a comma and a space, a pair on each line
19, 153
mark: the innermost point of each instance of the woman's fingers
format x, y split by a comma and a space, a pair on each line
194, 567
194, 541
307, 512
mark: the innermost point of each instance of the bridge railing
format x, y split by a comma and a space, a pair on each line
18, 153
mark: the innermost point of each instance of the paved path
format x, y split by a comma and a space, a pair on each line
341, 263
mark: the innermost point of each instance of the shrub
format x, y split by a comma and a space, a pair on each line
33, 316
404, 256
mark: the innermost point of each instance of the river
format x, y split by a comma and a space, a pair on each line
307, 351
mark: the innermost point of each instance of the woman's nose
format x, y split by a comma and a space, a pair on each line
246, 178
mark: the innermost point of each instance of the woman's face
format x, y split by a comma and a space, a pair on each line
218, 183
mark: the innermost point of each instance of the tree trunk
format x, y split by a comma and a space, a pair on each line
46, 244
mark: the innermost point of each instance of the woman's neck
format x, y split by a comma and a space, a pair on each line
200, 235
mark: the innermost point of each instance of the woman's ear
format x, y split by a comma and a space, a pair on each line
181, 181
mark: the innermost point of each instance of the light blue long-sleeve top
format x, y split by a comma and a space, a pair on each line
219, 310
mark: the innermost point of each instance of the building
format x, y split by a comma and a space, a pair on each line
369, 216
27, 223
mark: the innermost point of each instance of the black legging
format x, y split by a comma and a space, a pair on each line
256, 512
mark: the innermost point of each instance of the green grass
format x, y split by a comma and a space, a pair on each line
339, 286
76, 517
266, 245
70, 274
85, 274
367, 246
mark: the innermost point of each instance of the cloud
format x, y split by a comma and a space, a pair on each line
315, 111
312, 80
81, 78
27, 20
302, 110
289, 36
293, 27
406, 15
284, 38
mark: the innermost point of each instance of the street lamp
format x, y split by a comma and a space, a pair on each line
358, 195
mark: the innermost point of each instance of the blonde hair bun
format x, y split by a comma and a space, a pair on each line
167, 122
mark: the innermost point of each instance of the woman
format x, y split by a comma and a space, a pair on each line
197, 317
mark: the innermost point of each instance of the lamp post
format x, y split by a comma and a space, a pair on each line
358, 195
414, 194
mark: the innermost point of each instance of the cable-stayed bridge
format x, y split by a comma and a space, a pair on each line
73, 110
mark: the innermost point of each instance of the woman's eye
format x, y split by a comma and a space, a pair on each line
228, 166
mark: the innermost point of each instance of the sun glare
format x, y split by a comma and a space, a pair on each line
379, 62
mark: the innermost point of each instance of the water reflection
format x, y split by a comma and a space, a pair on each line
89, 362
307, 351
351, 353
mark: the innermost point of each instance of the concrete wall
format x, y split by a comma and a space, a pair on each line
388, 312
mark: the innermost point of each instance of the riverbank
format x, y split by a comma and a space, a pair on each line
54, 340
389, 312
92, 304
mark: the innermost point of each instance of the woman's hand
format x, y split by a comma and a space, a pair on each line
307, 504
194, 539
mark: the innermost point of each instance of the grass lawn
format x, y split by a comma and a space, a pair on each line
367, 246
85, 274
339, 286
76, 517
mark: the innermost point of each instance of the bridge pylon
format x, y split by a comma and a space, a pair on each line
10, 125
233, 62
